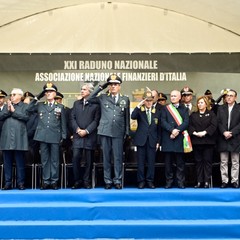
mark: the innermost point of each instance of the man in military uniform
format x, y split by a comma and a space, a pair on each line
162, 99
187, 96
147, 139
51, 130
113, 127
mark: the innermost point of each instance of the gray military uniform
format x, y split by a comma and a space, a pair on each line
113, 127
51, 129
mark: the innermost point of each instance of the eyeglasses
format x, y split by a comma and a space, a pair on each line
229, 95
13, 94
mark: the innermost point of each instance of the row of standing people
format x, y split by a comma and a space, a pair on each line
108, 116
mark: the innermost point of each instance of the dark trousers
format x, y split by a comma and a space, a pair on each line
50, 162
113, 146
8, 157
170, 157
203, 155
77, 158
146, 154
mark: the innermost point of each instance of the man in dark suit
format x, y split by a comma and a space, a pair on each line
173, 127
228, 116
2, 103
113, 127
14, 140
51, 130
147, 139
85, 118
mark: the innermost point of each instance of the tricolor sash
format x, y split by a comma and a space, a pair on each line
187, 144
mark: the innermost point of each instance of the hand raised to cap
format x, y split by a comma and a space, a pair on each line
40, 95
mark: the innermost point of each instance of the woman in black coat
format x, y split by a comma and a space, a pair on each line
202, 129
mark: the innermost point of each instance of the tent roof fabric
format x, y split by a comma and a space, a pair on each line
119, 26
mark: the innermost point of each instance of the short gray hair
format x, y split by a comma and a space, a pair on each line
17, 91
89, 86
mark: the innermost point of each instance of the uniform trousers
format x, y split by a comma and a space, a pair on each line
146, 154
224, 156
112, 146
77, 158
50, 162
8, 157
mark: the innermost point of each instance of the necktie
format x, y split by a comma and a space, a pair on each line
229, 117
114, 99
187, 105
149, 116
50, 104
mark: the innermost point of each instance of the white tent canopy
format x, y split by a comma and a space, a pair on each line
119, 26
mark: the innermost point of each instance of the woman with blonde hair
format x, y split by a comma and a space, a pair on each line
202, 129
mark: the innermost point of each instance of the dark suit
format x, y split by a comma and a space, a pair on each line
84, 117
173, 147
14, 141
232, 144
51, 130
113, 127
146, 138
203, 147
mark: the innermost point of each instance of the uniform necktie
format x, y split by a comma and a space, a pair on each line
148, 116
50, 104
114, 99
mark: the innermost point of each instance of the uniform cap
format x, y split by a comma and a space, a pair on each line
162, 96
207, 92
2, 93
59, 95
28, 94
187, 90
148, 95
50, 87
113, 78
225, 91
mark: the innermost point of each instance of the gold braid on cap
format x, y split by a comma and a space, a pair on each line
49, 85
113, 77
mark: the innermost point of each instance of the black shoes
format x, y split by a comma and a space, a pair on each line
76, 185
168, 185
150, 185
54, 186
108, 186
199, 185
141, 185
21, 187
45, 186
87, 185
224, 185
181, 186
206, 185
118, 186
7, 187
235, 185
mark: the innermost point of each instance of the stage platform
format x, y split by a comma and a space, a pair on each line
129, 213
